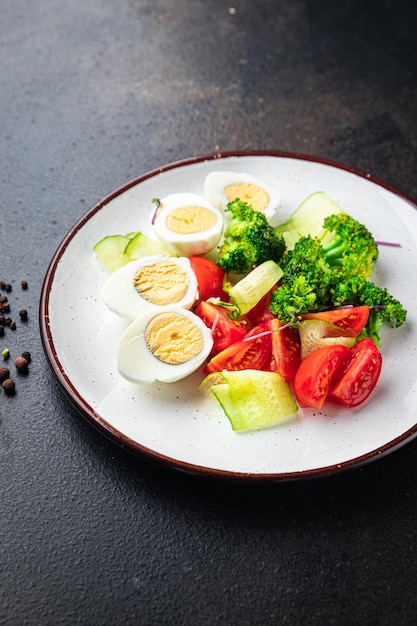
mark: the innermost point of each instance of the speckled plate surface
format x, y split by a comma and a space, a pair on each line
174, 424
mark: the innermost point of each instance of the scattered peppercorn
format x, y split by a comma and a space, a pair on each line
9, 386
21, 364
26, 355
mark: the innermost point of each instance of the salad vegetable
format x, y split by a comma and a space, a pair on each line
110, 251
350, 248
318, 276
345, 375
140, 245
317, 373
285, 350
384, 308
308, 218
224, 328
249, 240
350, 318
210, 278
115, 251
251, 352
247, 292
252, 399
359, 375
315, 334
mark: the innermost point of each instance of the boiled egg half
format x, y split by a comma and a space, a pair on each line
159, 280
187, 223
165, 345
223, 187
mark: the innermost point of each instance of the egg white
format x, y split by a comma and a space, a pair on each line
121, 297
190, 244
215, 184
137, 364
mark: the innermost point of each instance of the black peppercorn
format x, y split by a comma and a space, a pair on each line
26, 355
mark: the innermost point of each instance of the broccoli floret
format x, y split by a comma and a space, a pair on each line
305, 284
235, 258
349, 245
312, 282
384, 307
249, 240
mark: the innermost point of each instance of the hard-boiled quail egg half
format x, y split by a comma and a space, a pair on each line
165, 345
187, 223
158, 280
223, 187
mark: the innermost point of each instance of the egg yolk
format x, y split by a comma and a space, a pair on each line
190, 219
161, 283
253, 195
173, 338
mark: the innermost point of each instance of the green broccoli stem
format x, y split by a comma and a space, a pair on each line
334, 251
374, 324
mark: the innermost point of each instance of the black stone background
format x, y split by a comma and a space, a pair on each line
93, 94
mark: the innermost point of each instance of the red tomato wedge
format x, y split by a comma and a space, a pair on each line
225, 330
360, 374
209, 278
316, 374
261, 311
352, 319
244, 354
286, 350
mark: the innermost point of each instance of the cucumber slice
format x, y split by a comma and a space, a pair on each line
308, 218
247, 292
141, 245
110, 251
315, 334
252, 399
132, 234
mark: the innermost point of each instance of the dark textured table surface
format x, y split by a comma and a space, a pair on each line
92, 95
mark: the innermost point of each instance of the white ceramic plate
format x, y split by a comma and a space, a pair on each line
173, 423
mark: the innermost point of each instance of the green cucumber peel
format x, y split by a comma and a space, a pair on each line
250, 289
308, 218
252, 399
